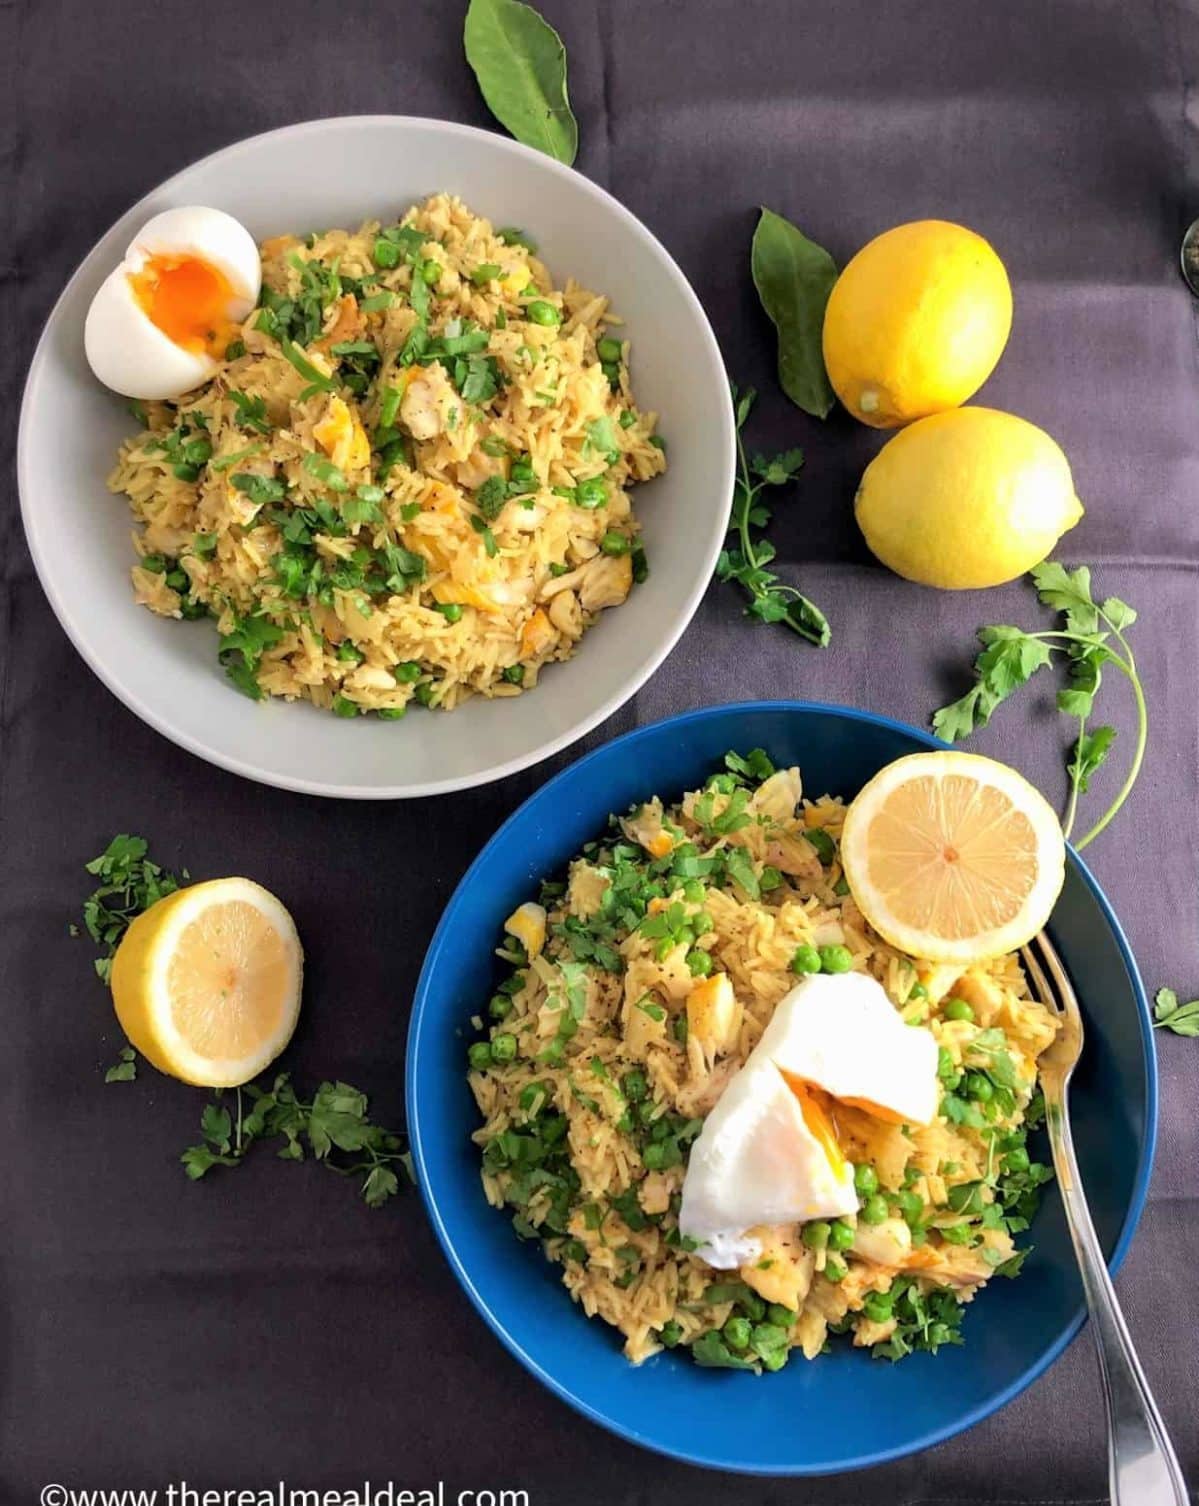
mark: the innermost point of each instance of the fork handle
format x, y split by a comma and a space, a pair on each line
1142, 1468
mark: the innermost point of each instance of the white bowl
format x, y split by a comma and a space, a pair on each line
338, 172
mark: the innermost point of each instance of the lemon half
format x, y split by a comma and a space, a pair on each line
207, 982
952, 857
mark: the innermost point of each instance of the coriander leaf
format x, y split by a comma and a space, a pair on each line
1118, 613
1182, 1019
126, 1068
963, 716
711, 1351
199, 1159
381, 1183
1165, 1002
491, 496
794, 278
216, 1126
601, 436
1070, 592
520, 63
741, 870
1088, 753
1086, 663
1010, 657
770, 599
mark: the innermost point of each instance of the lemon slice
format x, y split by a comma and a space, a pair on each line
207, 982
952, 857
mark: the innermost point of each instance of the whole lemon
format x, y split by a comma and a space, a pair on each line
916, 322
968, 498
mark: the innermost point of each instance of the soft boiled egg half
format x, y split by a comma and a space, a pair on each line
163, 320
768, 1151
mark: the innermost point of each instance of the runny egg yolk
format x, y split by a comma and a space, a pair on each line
188, 300
819, 1124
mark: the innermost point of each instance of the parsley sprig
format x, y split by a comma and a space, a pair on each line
1168, 1013
746, 559
129, 884
1092, 636
332, 1127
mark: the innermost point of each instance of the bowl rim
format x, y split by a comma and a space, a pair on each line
73, 621
447, 926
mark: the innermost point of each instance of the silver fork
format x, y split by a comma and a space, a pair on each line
1142, 1469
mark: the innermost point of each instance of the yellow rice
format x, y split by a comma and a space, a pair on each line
508, 597
638, 1278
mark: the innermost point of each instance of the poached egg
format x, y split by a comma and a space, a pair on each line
768, 1152
162, 321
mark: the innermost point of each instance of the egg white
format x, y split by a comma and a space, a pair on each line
842, 1033
756, 1162
124, 348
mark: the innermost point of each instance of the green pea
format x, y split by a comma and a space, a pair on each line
592, 493
391, 713
670, 1333
805, 960
614, 543
654, 1155
873, 1210
349, 654
543, 313
773, 1359
816, 1235
503, 1046
408, 672
609, 349
450, 610
835, 959
1016, 1160
979, 1087
480, 1055
627, 418
424, 697
386, 254
736, 1333
779, 1315
500, 1006
957, 1009
877, 1306
694, 893
834, 1269
430, 272
865, 1179
515, 674
910, 1205
752, 1305
702, 923
917, 991
700, 963
840, 1235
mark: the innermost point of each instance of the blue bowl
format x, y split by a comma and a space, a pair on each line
845, 1410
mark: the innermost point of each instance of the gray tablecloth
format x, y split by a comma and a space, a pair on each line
264, 1325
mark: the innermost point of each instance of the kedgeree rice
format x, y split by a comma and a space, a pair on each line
409, 481
603, 1058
